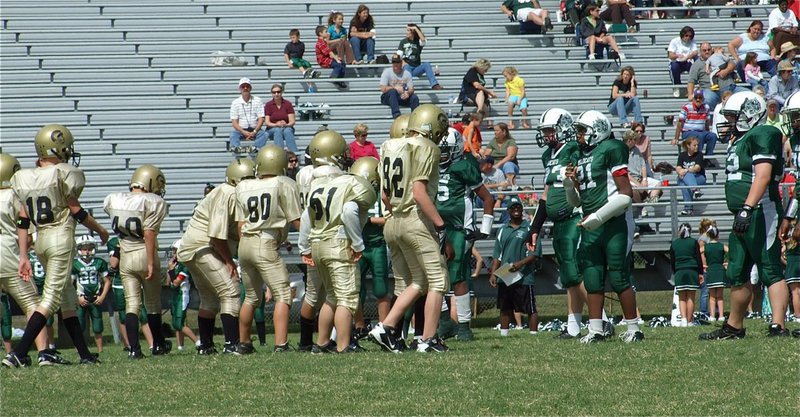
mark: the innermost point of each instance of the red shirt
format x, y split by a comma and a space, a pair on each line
367, 149
323, 53
277, 114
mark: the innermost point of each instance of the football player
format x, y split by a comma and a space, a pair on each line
136, 218
91, 278
415, 232
754, 167
38, 275
597, 181
180, 281
459, 180
375, 257
119, 296
792, 111
23, 290
265, 207
49, 194
330, 233
207, 249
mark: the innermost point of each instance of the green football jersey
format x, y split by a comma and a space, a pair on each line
182, 271
457, 183
38, 269
373, 234
761, 143
89, 276
595, 170
684, 253
113, 246
557, 206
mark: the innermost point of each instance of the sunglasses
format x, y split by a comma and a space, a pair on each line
293, 161
277, 92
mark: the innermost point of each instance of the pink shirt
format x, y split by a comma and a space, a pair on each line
752, 71
367, 149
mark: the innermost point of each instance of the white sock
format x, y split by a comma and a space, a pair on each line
605, 317
596, 325
504, 332
463, 308
51, 346
633, 324
533, 332
684, 323
573, 324
444, 304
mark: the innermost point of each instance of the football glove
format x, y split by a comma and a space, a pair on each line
742, 220
441, 235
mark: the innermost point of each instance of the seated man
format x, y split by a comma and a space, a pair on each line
693, 121
397, 87
527, 11
247, 117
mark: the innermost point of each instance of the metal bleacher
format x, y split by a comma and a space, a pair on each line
135, 83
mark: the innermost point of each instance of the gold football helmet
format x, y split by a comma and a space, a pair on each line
430, 121
399, 126
367, 167
240, 169
328, 147
271, 160
8, 166
150, 179
56, 140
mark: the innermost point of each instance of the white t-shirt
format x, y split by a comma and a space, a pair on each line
677, 46
782, 20
247, 113
391, 79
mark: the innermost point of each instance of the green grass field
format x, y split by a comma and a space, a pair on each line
671, 373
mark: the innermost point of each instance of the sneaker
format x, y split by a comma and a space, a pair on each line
13, 361
244, 349
776, 330
372, 61
93, 359
564, 335
206, 350
631, 336
626, 125
432, 345
464, 333
162, 349
593, 338
697, 194
437, 87
329, 347
685, 212
341, 84
548, 23
544, 28
414, 343
592, 57
50, 357
135, 354
723, 333
229, 348
307, 73
608, 328
676, 92
315, 74
796, 333
286, 347
353, 347
305, 348
621, 56
360, 333
384, 338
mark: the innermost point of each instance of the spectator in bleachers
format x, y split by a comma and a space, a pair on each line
775, 118
682, 51
717, 117
326, 58
573, 9
618, 10
503, 148
362, 36
494, 180
691, 173
782, 85
473, 87
293, 55
640, 174
280, 118
527, 11
410, 49
643, 143
693, 121
716, 62
752, 72
782, 27
623, 98
699, 78
754, 40
470, 129
292, 165
397, 87
360, 146
338, 39
247, 118
760, 91
594, 32
515, 96
209, 188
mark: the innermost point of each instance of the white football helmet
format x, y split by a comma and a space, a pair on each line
452, 147
558, 120
791, 108
747, 110
594, 126
86, 242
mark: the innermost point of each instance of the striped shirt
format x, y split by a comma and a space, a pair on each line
694, 118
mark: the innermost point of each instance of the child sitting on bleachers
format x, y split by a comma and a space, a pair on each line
515, 95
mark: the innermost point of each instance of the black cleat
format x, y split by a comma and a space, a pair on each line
724, 333
162, 349
796, 333
384, 338
631, 336
432, 345
50, 357
93, 359
564, 335
13, 361
329, 347
206, 350
360, 333
244, 349
594, 338
776, 330
229, 348
135, 354
305, 348
286, 347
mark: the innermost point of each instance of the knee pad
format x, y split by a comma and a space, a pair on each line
620, 281
593, 280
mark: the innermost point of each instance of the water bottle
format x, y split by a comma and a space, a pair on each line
450, 99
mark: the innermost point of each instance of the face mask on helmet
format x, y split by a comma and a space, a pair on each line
555, 126
452, 148
55, 140
742, 112
591, 128
86, 247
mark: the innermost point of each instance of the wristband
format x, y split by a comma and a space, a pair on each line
81, 215
486, 224
23, 223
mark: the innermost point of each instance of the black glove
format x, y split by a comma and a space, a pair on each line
442, 236
742, 220
473, 235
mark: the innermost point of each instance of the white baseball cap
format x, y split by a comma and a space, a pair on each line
244, 80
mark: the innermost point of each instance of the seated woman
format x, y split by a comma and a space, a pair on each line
754, 40
503, 150
473, 90
640, 174
279, 118
681, 52
623, 98
593, 31
362, 36
410, 49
